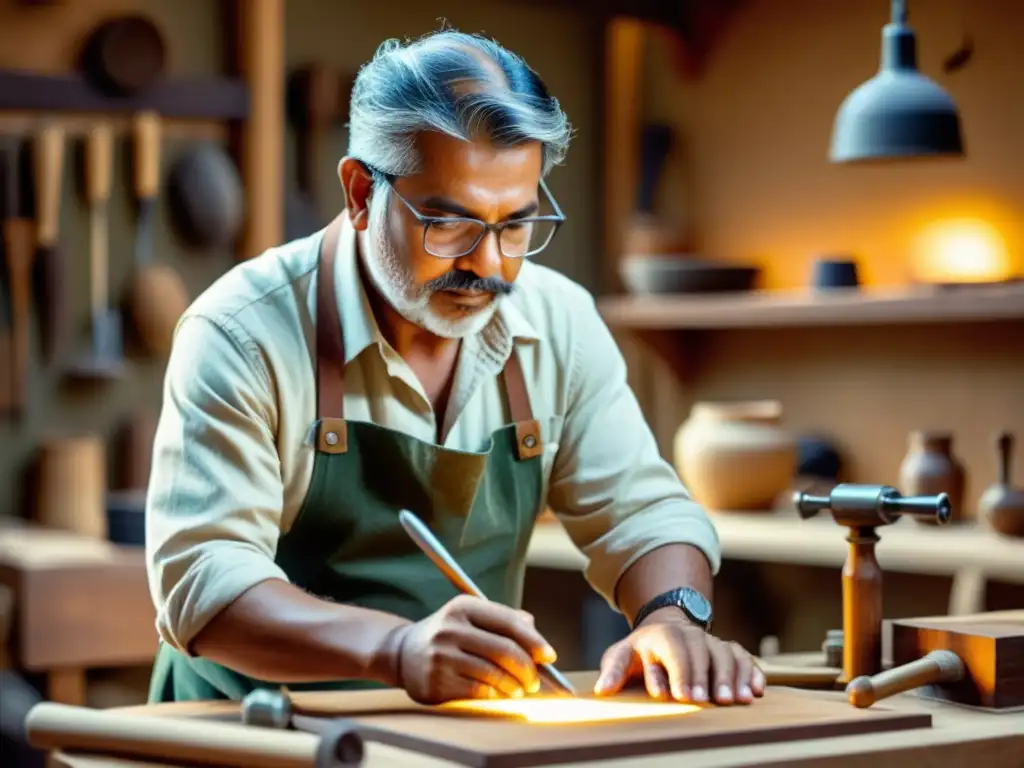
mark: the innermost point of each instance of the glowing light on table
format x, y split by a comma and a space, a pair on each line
567, 710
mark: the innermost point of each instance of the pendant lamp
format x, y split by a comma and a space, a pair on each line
898, 113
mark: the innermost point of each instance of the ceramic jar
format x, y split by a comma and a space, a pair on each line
930, 468
735, 456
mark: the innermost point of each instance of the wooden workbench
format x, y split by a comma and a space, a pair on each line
959, 737
60, 583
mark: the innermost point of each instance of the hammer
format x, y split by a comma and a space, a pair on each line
267, 708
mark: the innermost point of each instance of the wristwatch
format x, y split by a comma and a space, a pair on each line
692, 603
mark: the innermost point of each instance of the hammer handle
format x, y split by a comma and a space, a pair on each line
936, 667
51, 726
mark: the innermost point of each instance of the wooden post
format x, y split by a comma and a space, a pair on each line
260, 60
623, 72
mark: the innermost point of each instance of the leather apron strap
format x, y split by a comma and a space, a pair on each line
332, 433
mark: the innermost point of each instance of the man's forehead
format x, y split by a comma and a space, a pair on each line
442, 155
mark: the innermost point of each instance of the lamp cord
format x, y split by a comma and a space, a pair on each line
899, 11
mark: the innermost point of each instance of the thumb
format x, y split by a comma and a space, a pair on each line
614, 668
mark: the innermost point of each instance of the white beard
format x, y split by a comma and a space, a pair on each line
394, 281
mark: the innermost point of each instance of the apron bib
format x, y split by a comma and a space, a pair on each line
347, 544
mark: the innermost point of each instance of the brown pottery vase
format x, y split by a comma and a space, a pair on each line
930, 467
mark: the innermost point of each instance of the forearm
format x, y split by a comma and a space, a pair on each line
278, 633
667, 567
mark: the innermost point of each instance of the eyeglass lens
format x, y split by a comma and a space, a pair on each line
451, 239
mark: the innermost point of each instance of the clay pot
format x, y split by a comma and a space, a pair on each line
930, 468
736, 456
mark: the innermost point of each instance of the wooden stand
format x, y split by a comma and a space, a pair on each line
862, 606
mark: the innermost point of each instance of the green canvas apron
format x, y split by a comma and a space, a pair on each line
347, 545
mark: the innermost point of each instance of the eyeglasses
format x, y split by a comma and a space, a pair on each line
451, 237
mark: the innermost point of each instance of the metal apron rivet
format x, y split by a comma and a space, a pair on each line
331, 438
529, 441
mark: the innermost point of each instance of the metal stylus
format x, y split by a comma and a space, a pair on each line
435, 550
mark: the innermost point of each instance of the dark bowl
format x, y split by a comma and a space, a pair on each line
647, 275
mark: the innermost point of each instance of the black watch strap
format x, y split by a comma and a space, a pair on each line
692, 603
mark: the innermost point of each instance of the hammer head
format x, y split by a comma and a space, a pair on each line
267, 708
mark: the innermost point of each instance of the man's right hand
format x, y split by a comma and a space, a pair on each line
471, 649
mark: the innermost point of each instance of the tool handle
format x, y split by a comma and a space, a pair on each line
936, 667
18, 237
49, 167
50, 726
147, 155
436, 551
99, 161
98, 170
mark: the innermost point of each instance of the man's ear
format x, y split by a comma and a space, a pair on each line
357, 185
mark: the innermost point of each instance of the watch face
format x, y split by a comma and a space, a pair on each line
696, 605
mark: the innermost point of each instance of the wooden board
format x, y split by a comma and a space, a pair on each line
486, 741
991, 646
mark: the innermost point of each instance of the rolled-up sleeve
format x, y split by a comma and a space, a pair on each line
615, 495
214, 502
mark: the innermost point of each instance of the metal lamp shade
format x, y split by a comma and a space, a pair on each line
898, 113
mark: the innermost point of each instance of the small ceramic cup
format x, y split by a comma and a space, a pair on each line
835, 273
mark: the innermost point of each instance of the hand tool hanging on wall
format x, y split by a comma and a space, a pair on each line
105, 357
156, 297
205, 197
124, 55
18, 246
50, 276
6, 372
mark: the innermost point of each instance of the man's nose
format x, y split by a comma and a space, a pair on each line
485, 259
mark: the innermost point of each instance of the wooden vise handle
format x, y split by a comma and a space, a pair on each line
52, 726
936, 667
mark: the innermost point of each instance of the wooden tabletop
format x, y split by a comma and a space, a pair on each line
959, 736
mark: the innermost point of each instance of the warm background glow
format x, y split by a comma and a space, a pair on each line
566, 710
962, 251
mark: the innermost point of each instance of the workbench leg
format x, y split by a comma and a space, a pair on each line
967, 595
66, 686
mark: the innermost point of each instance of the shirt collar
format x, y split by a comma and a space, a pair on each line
359, 326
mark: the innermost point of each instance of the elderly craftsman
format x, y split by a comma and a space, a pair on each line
412, 356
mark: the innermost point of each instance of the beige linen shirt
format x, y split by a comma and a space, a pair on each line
232, 458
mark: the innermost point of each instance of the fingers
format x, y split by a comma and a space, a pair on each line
700, 662
672, 659
487, 676
724, 663
517, 668
758, 682
655, 677
502, 620
744, 694
615, 668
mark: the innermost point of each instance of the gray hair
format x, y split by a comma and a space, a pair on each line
459, 84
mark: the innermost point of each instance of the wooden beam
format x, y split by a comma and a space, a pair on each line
261, 62
624, 56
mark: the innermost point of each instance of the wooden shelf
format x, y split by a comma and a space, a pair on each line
770, 537
212, 98
778, 309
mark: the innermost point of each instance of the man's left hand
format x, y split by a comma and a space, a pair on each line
679, 660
